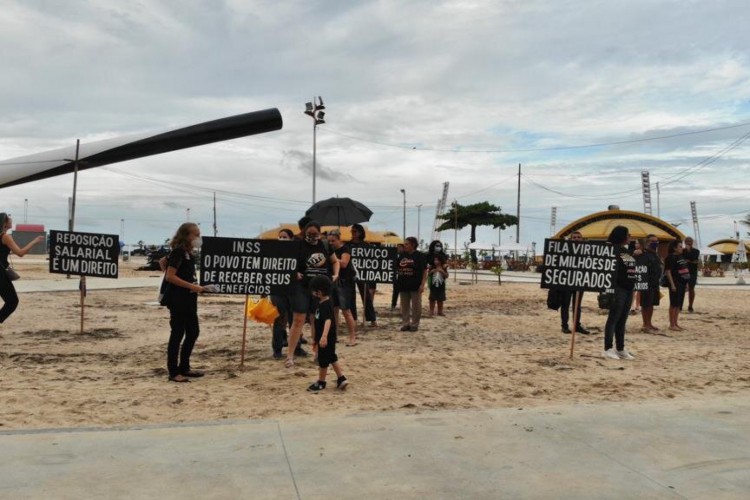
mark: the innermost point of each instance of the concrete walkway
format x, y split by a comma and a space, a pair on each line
637, 450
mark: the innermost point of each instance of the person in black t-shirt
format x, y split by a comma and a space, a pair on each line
394, 295
183, 302
692, 256
343, 289
314, 260
412, 276
620, 308
678, 276
324, 335
437, 275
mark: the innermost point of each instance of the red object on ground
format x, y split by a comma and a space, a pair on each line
31, 228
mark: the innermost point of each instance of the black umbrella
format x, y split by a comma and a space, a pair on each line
338, 212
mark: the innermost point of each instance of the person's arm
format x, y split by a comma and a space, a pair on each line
336, 267
668, 270
10, 243
344, 260
324, 336
424, 280
172, 278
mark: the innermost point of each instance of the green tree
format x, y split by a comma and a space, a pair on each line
478, 214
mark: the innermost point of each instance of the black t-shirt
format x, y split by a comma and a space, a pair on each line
655, 272
313, 261
184, 262
4, 253
346, 274
322, 313
410, 269
692, 255
625, 274
678, 266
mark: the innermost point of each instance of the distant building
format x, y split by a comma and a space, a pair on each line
23, 234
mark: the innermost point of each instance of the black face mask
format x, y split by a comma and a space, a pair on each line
312, 239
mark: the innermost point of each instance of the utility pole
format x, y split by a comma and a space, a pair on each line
25, 210
72, 222
187, 215
658, 199
419, 224
215, 231
518, 207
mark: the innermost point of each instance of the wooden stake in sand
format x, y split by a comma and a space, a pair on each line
244, 332
576, 304
82, 288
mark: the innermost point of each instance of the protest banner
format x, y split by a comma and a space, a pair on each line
374, 264
578, 265
239, 266
84, 254
641, 275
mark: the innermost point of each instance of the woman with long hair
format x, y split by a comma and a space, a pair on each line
8, 246
182, 302
624, 284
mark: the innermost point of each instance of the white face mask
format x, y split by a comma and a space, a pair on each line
197, 243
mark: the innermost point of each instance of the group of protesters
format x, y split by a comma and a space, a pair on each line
678, 273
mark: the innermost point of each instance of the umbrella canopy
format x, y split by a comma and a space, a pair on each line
339, 212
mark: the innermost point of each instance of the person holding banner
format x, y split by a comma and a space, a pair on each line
623, 296
567, 300
343, 291
182, 302
650, 297
412, 276
366, 290
8, 246
314, 260
278, 329
678, 276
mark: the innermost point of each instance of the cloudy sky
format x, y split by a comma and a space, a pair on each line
584, 94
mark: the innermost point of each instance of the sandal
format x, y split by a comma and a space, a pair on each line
289, 363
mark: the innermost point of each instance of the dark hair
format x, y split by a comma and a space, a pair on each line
3, 220
321, 284
413, 241
431, 249
288, 232
360, 229
618, 235
303, 222
673, 245
651, 236
310, 224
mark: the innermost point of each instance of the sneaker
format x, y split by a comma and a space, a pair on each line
301, 352
610, 354
341, 383
317, 386
413, 328
624, 354
582, 330
278, 355
302, 341
565, 329
405, 328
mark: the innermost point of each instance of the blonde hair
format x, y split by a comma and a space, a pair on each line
180, 238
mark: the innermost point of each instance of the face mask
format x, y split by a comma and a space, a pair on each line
197, 243
438, 248
653, 246
311, 239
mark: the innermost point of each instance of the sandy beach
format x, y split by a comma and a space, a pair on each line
497, 346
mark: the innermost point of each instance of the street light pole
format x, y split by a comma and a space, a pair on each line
403, 191
315, 111
419, 224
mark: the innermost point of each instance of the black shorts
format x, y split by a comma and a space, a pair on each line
327, 354
437, 294
676, 299
301, 300
650, 297
693, 280
343, 296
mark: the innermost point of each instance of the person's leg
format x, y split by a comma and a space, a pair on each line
432, 307
680, 302
646, 314
298, 321
337, 369
394, 296
405, 308
370, 313
279, 324
9, 296
564, 309
177, 323
691, 296
192, 330
351, 325
620, 306
322, 373
440, 308
416, 309
620, 326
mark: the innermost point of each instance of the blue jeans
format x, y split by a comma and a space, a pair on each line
618, 316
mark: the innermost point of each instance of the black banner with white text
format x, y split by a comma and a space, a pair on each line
84, 254
570, 265
374, 264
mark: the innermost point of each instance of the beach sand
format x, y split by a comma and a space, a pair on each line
497, 346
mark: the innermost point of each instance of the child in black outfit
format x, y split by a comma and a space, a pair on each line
324, 333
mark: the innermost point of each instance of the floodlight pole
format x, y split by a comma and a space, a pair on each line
315, 109
72, 221
403, 191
